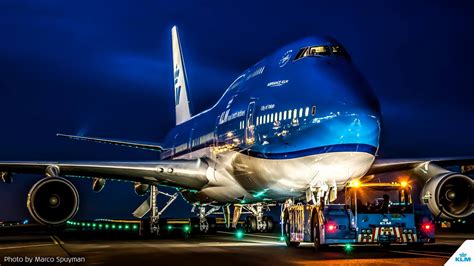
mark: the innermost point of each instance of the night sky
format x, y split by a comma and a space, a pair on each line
104, 69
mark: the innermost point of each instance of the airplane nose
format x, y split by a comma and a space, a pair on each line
349, 129
347, 111
351, 107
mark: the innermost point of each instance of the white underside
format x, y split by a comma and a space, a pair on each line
236, 175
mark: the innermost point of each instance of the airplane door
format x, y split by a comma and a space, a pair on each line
249, 124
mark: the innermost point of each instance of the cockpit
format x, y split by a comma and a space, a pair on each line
322, 50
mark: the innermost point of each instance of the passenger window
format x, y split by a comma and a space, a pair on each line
313, 110
289, 114
301, 112
271, 117
279, 116
276, 116
306, 111
294, 113
264, 119
284, 115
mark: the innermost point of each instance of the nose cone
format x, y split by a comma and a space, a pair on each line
347, 110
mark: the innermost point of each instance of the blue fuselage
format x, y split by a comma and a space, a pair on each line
288, 107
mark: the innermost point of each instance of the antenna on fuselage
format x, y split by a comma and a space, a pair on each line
181, 100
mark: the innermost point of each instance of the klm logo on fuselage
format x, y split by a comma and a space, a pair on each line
177, 87
463, 257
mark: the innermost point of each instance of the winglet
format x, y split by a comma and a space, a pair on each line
130, 144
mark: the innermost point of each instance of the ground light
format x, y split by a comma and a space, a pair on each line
282, 238
135, 227
170, 227
186, 228
239, 234
348, 248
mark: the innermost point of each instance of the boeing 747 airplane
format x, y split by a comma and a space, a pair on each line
296, 127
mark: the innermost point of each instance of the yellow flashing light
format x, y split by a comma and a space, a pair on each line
355, 183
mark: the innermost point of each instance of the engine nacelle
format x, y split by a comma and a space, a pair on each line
53, 201
450, 195
6, 177
141, 189
98, 184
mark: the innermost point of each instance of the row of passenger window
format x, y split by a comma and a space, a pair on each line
284, 115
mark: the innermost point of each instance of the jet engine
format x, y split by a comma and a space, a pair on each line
449, 195
53, 201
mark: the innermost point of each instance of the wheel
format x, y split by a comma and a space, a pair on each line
269, 221
316, 235
250, 224
286, 232
212, 224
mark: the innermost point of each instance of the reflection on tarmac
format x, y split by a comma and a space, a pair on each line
222, 248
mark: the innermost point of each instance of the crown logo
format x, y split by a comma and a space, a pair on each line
462, 255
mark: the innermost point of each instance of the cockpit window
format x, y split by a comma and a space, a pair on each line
321, 50
318, 50
338, 50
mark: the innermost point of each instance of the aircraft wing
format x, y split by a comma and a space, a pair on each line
125, 143
381, 166
189, 174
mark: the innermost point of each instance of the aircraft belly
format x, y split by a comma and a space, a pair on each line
278, 179
235, 177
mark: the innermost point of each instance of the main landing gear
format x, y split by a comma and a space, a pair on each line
203, 223
256, 221
151, 206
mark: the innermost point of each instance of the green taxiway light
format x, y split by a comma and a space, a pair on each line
120, 227
106, 226
239, 234
170, 227
187, 228
135, 227
113, 226
282, 238
127, 227
83, 224
100, 225
88, 224
94, 225
347, 248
